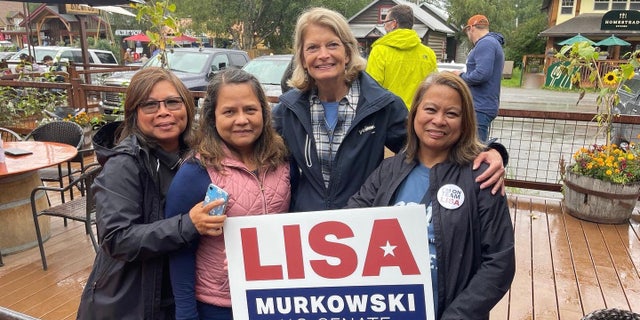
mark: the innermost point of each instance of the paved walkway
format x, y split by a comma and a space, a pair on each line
546, 100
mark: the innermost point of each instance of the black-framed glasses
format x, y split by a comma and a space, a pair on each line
385, 22
152, 106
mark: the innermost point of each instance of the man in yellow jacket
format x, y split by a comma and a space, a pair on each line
399, 61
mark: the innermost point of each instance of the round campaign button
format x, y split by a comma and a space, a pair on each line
450, 196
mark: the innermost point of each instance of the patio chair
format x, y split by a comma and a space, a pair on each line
9, 135
80, 209
64, 132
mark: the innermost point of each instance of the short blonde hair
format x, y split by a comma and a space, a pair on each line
338, 24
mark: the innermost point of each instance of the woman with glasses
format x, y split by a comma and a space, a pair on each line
130, 276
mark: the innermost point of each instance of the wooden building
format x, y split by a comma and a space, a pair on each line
430, 24
595, 20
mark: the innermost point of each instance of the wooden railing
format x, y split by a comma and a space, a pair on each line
536, 140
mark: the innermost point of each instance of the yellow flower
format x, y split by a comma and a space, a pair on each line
609, 172
630, 156
610, 78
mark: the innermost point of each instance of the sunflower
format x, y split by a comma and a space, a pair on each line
610, 78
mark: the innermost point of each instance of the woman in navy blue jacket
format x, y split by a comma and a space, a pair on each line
337, 120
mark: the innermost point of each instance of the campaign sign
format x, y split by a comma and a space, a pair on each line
368, 263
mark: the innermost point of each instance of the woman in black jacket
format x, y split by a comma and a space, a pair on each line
130, 276
470, 231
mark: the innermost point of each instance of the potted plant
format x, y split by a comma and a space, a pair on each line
22, 107
602, 184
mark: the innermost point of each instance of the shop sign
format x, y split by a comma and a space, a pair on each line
621, 20
80, 9
120, 32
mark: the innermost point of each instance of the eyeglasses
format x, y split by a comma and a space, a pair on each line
385, 22
152, 106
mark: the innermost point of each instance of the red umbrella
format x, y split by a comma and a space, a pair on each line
138, 37
184, 38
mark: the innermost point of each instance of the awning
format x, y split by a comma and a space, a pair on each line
114, 9
587, 24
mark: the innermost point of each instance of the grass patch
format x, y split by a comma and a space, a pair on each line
514, 82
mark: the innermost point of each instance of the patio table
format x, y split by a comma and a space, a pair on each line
18, 177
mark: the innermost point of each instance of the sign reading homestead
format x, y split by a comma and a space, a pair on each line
621, 20
369, 263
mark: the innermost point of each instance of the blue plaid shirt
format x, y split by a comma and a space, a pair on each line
327, 141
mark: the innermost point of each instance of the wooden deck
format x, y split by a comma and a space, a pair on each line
565, 267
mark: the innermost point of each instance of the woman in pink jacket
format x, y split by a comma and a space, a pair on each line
237, 149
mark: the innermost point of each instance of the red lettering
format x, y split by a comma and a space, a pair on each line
293, 249
319, 243
253, 270
389, 230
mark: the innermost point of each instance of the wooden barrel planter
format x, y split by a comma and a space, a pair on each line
599, 201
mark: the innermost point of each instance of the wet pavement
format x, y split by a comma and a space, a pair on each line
546, 100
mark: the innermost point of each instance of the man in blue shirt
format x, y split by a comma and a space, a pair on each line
484, 71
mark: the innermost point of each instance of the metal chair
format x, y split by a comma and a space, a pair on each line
80, 209
64, 132
9, 135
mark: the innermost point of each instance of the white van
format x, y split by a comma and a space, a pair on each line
70, 54
67, 54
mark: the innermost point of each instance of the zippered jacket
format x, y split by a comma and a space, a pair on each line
198, 272
129, 279
380, 121
474, 242
400, 62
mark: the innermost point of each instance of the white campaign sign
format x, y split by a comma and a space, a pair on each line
368, 263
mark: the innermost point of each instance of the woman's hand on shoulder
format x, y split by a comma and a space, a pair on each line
494, 175
207, 224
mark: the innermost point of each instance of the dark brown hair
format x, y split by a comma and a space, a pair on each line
269, 149
468, 146
138, 91
403, 14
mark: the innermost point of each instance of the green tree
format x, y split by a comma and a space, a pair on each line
524, 38
160, 16
249, 22
520, 21
501, 14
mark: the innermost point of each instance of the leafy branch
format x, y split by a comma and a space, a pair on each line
159, 15
582, 58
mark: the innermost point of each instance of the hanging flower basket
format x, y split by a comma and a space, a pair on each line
599, 201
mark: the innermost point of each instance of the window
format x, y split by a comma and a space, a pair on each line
634, 5
106, 58
220, 62
238, 60
383, 11
601, 5
619, 5
567, 7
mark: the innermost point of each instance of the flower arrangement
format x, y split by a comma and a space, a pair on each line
83, 119
608, 162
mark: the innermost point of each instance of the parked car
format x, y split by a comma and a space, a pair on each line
269, 70
451, 66
68, 54
64, 55
6, 55
629, 94
194, 66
